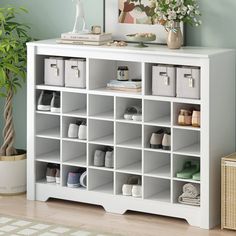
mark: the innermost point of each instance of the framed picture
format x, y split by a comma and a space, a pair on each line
122, 17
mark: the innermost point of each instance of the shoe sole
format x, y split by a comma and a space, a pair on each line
73, 185
43, 108
156, 146
166, 148
55, 110
51, 179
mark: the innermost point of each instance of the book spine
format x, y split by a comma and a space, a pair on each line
86, 37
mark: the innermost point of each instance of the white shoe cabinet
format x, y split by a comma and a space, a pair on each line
104, 109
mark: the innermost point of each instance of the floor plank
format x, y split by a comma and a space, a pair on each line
95, 218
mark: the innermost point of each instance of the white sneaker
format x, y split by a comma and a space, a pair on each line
137, 191
73, 131
82, 133
127, 189
56, 103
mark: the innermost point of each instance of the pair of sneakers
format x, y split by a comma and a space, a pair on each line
76, 179
53, 173
133, 187
161, 140
104, 158
49, 101
133, 113
78, 130
190, 117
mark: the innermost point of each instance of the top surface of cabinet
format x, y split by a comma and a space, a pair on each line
161, 50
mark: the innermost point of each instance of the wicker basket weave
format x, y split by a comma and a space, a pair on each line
228, 192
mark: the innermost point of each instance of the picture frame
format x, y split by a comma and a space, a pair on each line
120, 30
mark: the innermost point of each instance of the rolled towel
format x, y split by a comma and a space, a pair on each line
191, 191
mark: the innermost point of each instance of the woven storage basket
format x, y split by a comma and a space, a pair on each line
228, 192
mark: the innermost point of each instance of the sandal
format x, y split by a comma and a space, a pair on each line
189, 170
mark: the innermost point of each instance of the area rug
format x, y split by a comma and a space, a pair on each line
21, 227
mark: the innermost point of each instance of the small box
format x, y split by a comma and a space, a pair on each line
75, 73
54, 70
164, 80
188, 82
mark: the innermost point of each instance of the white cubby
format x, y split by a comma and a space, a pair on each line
65, 171
186, 142
102, 71
47, 126
178, 190
129, 161
101, 132
178, 164
92, 149
157, 164
148, 131
176, 109
121, 179
74, 104
48, 150
66, 121
122, 104
129, 135
101, 107
104, 109
157, 113
157, 189
101, 181
74, 154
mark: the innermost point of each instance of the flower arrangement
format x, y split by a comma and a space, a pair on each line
167, 12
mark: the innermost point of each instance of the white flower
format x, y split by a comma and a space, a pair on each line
172, 15
197, 12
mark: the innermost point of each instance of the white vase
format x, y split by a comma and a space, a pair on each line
175, 36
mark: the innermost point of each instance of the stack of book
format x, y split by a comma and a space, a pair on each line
85, 38
126, 86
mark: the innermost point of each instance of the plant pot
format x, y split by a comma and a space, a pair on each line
175, 36
13, 174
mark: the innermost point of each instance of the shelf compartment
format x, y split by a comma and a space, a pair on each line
92, 149
101, 107
157, 189
47, 126
65, 171
129, 160
102, 71
178, 164
74, 154
148, 131
122, 104
157, 165
101, 132
121, 179
48, 150
178, 190
157, 113
101, 181
176, 110
66, 121
74, 104
41, 170
186, 142
129, 135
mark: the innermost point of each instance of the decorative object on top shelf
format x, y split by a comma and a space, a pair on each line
13, 39
171, 13
123, 73
80, 15
96, 29
141, 38
123, 17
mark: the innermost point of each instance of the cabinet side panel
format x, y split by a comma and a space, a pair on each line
31, 63
222, 124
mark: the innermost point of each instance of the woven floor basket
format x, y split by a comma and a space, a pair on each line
228, 192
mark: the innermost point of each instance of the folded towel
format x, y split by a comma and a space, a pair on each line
190, 201
124, 84
191, 190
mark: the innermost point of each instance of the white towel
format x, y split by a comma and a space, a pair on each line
191, 190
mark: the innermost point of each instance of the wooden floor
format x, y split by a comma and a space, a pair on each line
93, 217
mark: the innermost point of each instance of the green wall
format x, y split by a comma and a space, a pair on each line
49, 18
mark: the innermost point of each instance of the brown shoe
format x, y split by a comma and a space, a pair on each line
185, 117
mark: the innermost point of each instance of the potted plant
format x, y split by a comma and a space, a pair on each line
171, 13
13, 59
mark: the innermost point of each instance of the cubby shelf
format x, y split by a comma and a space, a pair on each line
103, 111
51, 157
53, 133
